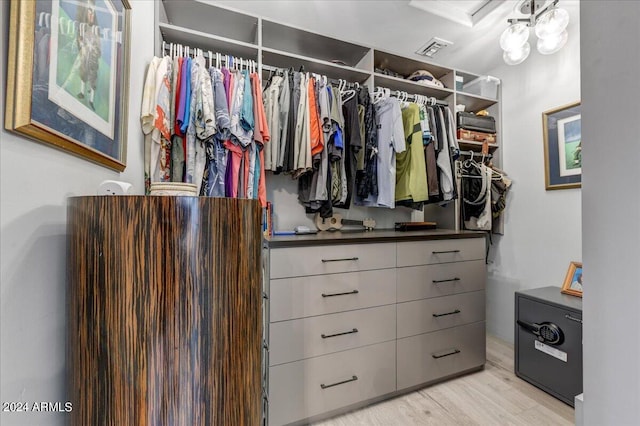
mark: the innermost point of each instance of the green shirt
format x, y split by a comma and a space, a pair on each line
411, 170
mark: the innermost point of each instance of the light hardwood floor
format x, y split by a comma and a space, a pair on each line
493, 396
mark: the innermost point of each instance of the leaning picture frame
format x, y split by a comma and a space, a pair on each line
562, 135
67, 76
573, 280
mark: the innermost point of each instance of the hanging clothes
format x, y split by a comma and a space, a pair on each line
205, 126
430, 154
366, 181
147, 120
411, 178
390, 141
352, 146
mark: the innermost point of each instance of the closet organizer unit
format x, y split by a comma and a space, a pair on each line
217, 29
417, 298
164, 322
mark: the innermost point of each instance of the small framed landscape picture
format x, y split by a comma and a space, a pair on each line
573, 281
562, 147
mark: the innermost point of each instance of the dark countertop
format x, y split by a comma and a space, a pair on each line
359, 237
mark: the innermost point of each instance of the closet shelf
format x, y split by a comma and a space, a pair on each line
209, 19
475, 146
286, 38
474, 103
205, 41
395, 83
406, 66
281, 59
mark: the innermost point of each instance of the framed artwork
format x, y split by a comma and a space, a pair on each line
67, 76
573, 280
562, 147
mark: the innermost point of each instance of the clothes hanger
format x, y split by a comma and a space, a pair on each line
347, 94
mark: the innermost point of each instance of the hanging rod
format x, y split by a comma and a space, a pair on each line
348, 84
229, 60
428, 100
475, 153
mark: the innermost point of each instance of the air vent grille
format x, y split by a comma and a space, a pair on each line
433, 46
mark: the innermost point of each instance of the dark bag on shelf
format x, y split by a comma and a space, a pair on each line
477, 123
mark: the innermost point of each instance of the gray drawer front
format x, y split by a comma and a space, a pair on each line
425, 358
417, 317
302, 338
324, 294
441, 251
319, 260
422, 282
295, 391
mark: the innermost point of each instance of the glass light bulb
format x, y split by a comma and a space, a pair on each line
552, 22
515, 57
552, 44
514, 37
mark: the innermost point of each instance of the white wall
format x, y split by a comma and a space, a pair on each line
35, 183
542, 231
611, 209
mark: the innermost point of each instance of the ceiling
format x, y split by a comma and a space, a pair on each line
395, 26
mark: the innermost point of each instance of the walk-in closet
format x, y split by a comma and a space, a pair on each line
328, 213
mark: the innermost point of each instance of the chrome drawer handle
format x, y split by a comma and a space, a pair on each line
569, 317
457, 311
339, 260
352, 379
339, 294
455, 351
326, 336
445, 281
446, 251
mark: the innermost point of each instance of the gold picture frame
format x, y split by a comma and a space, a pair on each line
67, 76
561, 130
573, 280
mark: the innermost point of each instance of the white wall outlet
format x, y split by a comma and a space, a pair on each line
114, 187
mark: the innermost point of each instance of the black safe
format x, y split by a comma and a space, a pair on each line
548, 341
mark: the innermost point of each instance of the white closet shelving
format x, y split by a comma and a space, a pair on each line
219, 29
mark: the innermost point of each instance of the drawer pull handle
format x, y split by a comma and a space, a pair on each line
326, 336
339, 260
352, 379
455, 351
446, 281
340, 294
446, 251
569, 317
264, 296
457, 311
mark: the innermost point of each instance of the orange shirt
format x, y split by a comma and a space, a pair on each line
315, 130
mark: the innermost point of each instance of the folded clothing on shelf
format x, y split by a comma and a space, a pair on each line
388, 72
425, 77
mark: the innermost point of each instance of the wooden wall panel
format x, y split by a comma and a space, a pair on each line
165, 322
